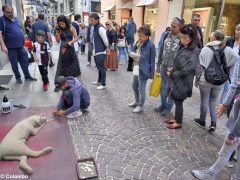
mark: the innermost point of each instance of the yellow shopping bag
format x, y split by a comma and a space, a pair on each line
155, 86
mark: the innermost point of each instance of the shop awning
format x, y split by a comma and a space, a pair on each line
126, 5
109, 7
147, 3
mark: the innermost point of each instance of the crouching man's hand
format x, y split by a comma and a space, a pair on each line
59, 113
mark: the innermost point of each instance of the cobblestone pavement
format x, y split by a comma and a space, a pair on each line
139, 146
127, 145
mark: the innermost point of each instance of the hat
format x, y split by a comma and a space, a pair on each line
59, 83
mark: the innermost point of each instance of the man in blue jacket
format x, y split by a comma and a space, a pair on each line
130, 32
75, 97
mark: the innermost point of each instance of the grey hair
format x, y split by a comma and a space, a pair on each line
220, 36
237, 27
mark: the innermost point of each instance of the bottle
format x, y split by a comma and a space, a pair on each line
6, 105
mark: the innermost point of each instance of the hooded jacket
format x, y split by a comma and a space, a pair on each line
206, 56
72, 98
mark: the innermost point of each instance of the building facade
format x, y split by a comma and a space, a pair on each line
18, 12
216, 14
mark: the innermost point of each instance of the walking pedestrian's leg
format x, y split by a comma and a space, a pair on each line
205, 96
13, 57
100, 59
135, 87
179, 111
45, 75
215, 92
119, 54
142, 91
125, 53
23, 61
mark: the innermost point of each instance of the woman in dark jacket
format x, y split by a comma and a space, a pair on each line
182, 73
111, 62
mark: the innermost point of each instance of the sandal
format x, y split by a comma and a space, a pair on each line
174, 126
170, 121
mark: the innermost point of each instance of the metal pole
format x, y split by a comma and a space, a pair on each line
219, 14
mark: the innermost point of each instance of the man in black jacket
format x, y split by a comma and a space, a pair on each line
196, 19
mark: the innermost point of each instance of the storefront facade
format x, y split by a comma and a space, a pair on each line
216, 14
148, 12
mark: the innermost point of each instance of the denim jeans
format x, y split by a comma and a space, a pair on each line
99, 60
166, 102
223, 159
225, 91
139, 88
19, 55
122, 50
209, 96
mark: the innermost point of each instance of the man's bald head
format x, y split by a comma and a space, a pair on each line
8, 11
6, 7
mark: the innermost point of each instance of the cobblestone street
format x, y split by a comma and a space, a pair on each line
127, 145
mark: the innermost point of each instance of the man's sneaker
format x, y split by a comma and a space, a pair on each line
138, 109
133, 104
86, 110
159, 109
211, 129
199, 122
101, 87
96, 83
45, 87
19, 81
88, 64
3, 88
74, 114
165, 112
31, 79
203, 175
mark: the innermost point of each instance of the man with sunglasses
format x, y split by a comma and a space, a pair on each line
13, 43
196, 19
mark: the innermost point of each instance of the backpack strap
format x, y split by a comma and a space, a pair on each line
218, 54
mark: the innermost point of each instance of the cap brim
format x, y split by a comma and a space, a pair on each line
57, 89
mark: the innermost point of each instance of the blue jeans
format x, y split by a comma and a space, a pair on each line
99, 60
122, 50
166, 102
225, 91
139, 88
209, 96
224, 157
19, 55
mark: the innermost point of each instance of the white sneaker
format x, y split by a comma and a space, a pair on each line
96, 83
86, 110
133, 104
101, 87
74, 114
138, 109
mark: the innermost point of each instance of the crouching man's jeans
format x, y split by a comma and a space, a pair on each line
223, 159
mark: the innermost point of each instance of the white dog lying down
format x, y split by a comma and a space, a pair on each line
13, 145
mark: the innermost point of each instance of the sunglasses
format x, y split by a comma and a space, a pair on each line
107, 24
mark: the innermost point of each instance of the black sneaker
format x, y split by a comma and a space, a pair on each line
31, 79
19, 81
199, 122
212, 128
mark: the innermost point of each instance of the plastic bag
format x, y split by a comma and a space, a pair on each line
155, 86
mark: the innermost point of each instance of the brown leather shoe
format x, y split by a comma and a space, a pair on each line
174, 126
170, 121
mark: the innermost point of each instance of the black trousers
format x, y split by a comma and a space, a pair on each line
90, 49
179, 110
44, 73
83, 48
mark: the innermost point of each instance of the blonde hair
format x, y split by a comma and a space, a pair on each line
110, 23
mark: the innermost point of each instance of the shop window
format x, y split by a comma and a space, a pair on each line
150, 18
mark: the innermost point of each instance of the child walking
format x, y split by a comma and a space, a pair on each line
41, 53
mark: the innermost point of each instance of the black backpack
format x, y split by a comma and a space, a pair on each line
217, 72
